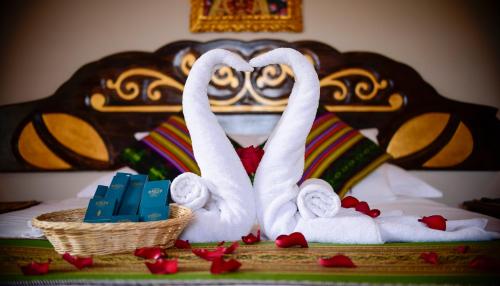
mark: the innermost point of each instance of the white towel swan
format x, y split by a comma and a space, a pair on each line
282, 166
229, 213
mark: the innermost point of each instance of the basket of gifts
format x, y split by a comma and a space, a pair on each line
130, 214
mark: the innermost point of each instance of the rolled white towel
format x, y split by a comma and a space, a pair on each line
190, 190
317, 199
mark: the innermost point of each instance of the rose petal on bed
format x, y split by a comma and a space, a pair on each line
182, 244
462, 249
293, 239
251, 238
35, 268
338, 260
363, 207
434, 221
349, 202
78, 262
374, 213
209, 255
162, 266
149, 252
430, 257
230, 249
219, 265
484, 263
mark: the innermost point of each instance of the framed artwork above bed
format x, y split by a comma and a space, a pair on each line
95, 114
241, 15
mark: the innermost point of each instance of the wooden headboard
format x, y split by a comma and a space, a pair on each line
94, 115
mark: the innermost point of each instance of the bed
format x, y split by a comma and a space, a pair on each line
108, 105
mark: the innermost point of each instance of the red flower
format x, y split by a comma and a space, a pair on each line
434, 221
251, 238
293, 239
35, 268
483, 262
250, 157
163, 266
182, 244
149, 252
349, 202
219, 265
338, 260
462, 249
78, 262
430, 257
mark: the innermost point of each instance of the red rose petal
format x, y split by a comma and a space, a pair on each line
250, 158
162, 266
349, 202
462, 249
231, 248
182, 244
209, 255
293, 239
78, 262
149, 252
434, 221
35, 268
430, 257
374, 213
338, 260
219, 265
251, 238
484, 263
362, 207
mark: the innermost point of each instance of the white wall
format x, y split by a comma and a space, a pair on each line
451, 43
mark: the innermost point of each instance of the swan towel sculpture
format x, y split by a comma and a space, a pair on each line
226, 205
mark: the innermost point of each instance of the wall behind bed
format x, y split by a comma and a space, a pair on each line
452, 44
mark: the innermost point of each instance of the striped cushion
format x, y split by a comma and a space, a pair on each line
335, 152
339, 154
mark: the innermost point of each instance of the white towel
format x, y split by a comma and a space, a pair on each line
280, 169
317, 199
190, 190
230, 213
409, 229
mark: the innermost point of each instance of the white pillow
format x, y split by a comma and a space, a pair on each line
389, 181
89, 190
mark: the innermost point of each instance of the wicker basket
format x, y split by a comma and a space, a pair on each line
67, 233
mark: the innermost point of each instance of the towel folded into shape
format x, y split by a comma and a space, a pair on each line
317, 199
190, 190
230, 211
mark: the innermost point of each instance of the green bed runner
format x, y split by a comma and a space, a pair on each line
265, 263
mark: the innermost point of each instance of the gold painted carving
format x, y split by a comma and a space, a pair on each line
454, 152
225, 77
34, 151
417, 133
76, 135
221, 18
363, 90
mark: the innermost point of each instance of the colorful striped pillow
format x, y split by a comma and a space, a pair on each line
335, 152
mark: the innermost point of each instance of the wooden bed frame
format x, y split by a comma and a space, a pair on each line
86, 123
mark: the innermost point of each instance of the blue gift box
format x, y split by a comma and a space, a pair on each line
154, 201
125, 218
132, 196
117, 189
100, 192
100, 210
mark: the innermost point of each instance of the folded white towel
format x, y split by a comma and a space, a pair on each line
190, 190
230, 213
280, 169
317, 199
409, 229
